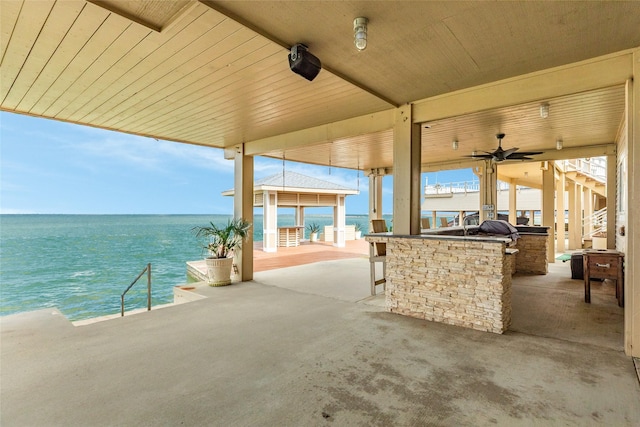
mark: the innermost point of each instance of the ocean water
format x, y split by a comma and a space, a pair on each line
81, 264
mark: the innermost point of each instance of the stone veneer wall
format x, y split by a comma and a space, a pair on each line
459, 282
532, 253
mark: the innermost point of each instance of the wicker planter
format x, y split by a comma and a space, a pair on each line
219, 271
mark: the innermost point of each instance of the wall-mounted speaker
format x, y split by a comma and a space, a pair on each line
302, 62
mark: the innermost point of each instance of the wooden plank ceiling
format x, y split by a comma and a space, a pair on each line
215, 73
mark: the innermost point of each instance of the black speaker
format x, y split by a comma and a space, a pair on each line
302, 62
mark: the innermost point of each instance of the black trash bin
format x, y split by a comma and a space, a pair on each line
577, 264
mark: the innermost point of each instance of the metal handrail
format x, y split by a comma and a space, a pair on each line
147, 269
597, 222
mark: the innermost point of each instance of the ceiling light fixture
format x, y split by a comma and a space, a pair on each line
454, 144
360, 32
544, 111
559, 144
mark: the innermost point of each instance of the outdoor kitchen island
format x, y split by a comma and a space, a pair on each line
462, 280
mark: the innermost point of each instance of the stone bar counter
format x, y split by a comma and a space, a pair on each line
458, 280
533, 247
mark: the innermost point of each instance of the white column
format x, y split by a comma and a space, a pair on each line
300, 216
270, 222
406, 173
560, 208
588, 209
575, 216
548, 207
513, 214
243, 208
339, 222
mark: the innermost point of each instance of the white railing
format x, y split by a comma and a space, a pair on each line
595, 167
596, 223
459, 187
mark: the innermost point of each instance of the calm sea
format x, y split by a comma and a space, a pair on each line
81, 264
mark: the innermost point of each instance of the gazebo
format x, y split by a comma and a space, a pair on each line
294, 190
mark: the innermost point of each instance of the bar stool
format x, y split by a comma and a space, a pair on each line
378, 253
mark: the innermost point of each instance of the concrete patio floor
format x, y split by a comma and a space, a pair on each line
307, 346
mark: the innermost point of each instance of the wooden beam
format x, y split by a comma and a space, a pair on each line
370, 123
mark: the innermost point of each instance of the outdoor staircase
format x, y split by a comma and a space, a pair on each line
594, 226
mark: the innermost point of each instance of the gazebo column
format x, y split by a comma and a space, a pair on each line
243, 208
300, 216
270, 222
339, 221
548, 206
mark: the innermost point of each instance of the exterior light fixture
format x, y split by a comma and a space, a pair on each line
360, 33
544, 111
559, 144
302, 62
454, 144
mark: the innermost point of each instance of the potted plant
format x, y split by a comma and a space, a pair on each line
223, 241
358, 229
314, 229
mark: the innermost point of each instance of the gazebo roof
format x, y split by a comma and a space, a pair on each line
295, 182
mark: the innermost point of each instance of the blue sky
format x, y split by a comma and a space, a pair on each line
48, 166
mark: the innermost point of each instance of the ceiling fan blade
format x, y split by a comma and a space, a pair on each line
530, 153
510, 151
480, 156
522, 155
519, 157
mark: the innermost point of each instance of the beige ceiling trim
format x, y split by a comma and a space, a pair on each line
369, 123
604, 71
168, 22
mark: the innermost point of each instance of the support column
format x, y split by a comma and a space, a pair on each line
375, 195
243, 208
560, 208
548, 207
513, 213
632, 232
339, 222
575, 214
588, 209
612, 172
488, 192
270, 222
300, 216
406, 173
